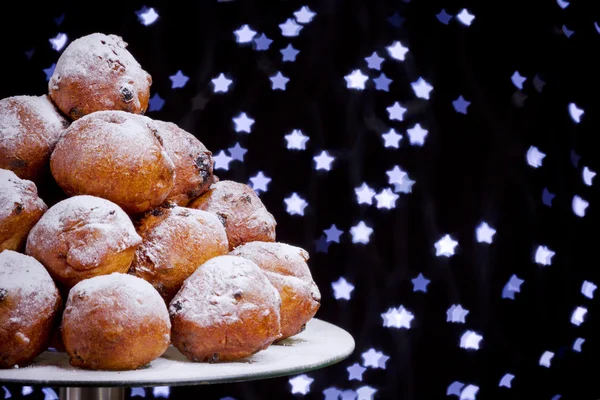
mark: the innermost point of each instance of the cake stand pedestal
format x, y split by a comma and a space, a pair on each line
321, 344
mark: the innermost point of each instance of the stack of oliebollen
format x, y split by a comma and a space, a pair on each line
146, 247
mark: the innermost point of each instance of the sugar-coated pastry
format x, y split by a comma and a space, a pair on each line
224, 311
193, 163
286, 268
29, 303
117, 156
97, 73
245, 217
29, 129
176, 241
20, 210
82, 237
114, 322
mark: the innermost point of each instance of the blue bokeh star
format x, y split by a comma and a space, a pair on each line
289, 53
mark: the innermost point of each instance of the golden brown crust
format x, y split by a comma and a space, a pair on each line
245, 217
82, 237
112, 323
193, 163
176, 241
29, 129
27, 313
286, 268
117, 156
20, 210
226, 310
96, 73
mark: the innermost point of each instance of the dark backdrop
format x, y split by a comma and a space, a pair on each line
472, 168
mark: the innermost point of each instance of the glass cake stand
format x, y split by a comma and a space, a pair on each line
321, 344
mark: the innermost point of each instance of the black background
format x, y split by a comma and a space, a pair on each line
472, 168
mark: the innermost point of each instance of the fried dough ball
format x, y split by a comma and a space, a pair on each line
82, 237
29, 303
117, 156
20, 210
176, 241
29, 129
97, 73
245, 217
286, 268
193, 163
226, 310
114, 322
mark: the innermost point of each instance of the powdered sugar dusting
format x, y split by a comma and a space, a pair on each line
96, 57
98, 226
128, 298
209, 295
26, 274
199, 227
127, 138
19, 112
283, 264
16, 191
245, 217
279, 258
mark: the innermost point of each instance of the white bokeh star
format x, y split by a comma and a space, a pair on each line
161, 391
470, 340
301, 384
386, 199
356, 80
295, 204
588, 175
290, 28
417, 135
59, 41
543, 255
361, 233
588, 288
485, 233
222, 161
371, 358
579, 206
397, 51
396, 175
422, 88
323, 161
456, 314
221, 83
244, 34
465, 17
342, 289
396, 112
260, 182
469, 392
535, 157
365, 393
445, 246
364, 194
147, 16
243, 123
391, 139
397, 318
546, 359
304, 15
296, 140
